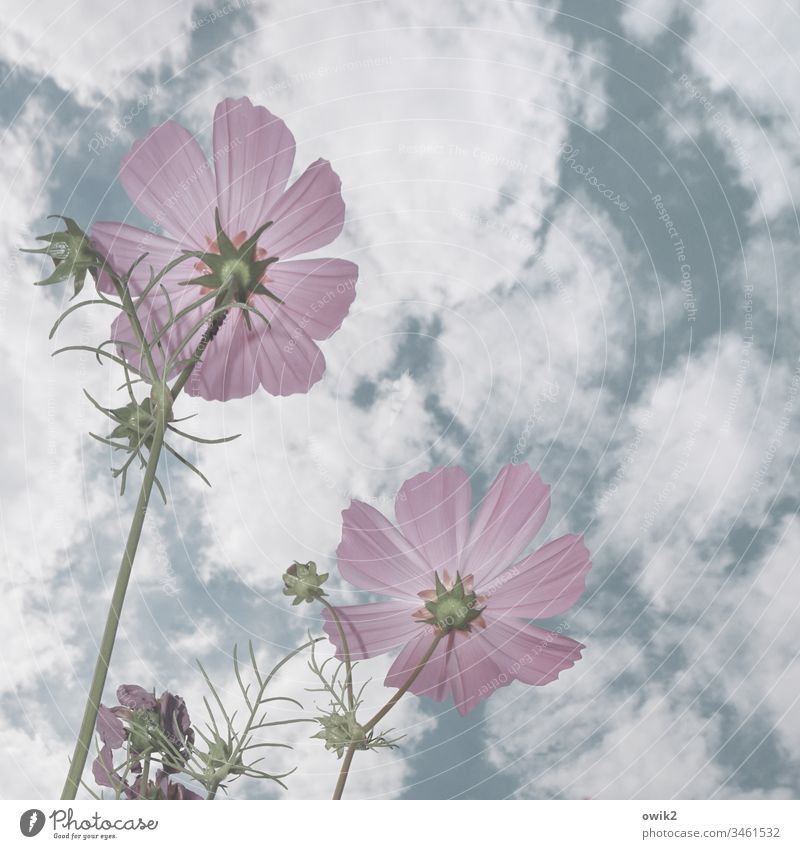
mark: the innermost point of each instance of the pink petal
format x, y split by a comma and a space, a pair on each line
433, 681
317, 293
280, 357
168, 178
461, 664
253, 156
308, 216
547, 582
122, 245
473, 671
433, 511
372, 629
528, 653
375, 556
510, 516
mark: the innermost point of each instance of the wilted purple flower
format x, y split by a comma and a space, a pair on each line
144, 723
176, 725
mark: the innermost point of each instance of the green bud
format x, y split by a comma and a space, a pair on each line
340, 731
218, 760
135, 420
303, 583
71, 252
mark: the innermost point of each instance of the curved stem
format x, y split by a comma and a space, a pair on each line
351, 749
348, 666
84, 740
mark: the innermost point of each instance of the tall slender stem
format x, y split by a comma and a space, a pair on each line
348, 666
351, 749
83, 742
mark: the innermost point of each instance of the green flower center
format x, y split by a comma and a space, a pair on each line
454, 608
235, 268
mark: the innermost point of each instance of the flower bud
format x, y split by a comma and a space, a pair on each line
340, 731
219, 760
135, 420
303, 583
71, 252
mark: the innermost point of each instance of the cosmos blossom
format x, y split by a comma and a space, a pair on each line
463, 580
221, 210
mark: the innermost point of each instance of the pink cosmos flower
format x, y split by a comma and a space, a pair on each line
168, 178
466, 580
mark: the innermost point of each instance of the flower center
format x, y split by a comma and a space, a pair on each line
234, 268
451, 605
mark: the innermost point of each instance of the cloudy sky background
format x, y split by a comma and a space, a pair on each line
506, 310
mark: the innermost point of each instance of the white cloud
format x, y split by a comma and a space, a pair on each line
90, 48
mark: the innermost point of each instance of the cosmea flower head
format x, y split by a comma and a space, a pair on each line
462, 581
244, 227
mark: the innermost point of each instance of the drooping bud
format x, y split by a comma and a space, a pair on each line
71, 252
302, 582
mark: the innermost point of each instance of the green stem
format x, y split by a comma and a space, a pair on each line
82, 744
145, 776
344, 772
207, 337
348, 666
84, 740
351, 749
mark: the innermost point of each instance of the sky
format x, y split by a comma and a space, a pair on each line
577, 241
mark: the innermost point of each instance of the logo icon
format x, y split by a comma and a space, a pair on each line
31, 822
